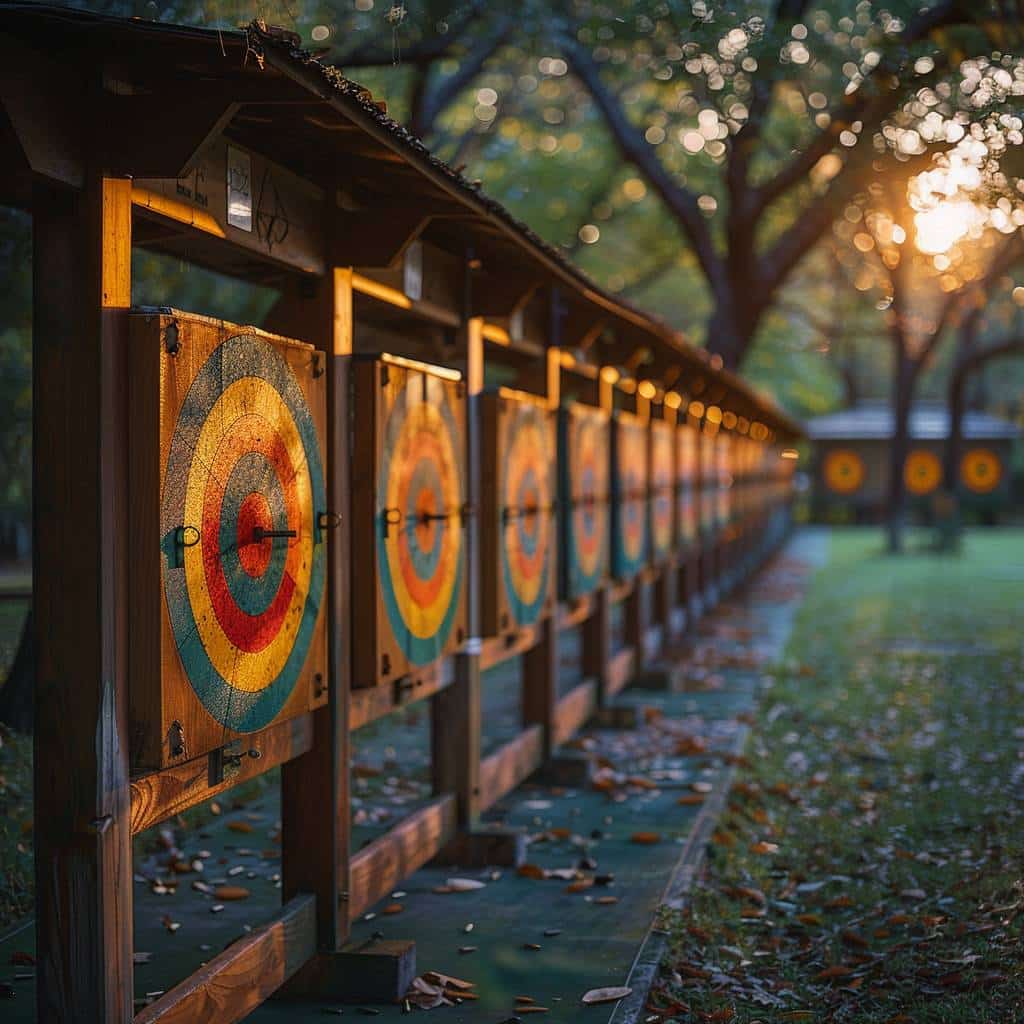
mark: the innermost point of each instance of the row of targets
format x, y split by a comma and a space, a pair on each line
230, 475
845, 471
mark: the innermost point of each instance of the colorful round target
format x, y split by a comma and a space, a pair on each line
844, 471
589, 520
981, 470
244, 567
922, 472
420, 532
631, 495
526, 501
661, 487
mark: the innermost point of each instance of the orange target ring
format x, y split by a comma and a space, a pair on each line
981, 470
922, 472
844, 471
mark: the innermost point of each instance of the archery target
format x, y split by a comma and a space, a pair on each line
708, 482
662, 476
584, 457
420, 508
244, 564
844, 471
629, 489
922, 472
527, 499
981, 470
686, 480
723, 474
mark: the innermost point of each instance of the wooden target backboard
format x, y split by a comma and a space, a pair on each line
229, 533
630, 474
409, 517
662, 501
584, 462
687, 466
518, 511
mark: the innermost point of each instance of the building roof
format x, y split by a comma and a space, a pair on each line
304, 113
929, 421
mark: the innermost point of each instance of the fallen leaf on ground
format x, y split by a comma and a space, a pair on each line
605, 995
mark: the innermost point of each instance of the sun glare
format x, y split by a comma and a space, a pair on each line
945, 224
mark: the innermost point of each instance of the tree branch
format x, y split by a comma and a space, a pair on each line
435, 100
635, 149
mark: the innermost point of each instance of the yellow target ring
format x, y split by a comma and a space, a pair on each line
981, 470
844, 471
922, 472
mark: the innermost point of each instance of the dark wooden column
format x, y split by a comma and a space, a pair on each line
315, 787
456, 710
81, 291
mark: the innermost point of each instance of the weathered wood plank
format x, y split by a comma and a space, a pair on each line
497, 649
621, 670
247, 973
573, 711
369, 703
160, 795
81, 286
506, 768
376, 869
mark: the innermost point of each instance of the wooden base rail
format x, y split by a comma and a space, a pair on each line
573, 711
157, 796
621, 670
246, 974
506, 768
376, 869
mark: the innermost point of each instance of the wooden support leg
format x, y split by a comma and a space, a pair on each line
540, 682
634, 618
315, 787
376, 971
83, 856
597, 645
455, 733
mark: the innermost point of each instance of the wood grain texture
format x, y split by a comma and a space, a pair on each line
506, 768
540, 669
162, 794
378, 868
621, 669
495, 650
247, 973
456, 739
573, 711
83, 865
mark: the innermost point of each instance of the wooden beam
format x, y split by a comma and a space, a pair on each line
379, 867
495, 650
378, 237
621, 670
315, 788
83, 860
573, 711
244, 975
160, 795
369, 703
506, 768
540, 681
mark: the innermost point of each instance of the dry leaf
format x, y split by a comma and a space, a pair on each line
230, 892
463, 884
531, 871
605, 995
645, 838
392, 908
764, 847
689, 799
835, 971
240, 826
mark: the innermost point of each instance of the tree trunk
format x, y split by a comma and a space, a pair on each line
17, 695
903, 394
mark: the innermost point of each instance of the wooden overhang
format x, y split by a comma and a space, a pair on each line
145, 99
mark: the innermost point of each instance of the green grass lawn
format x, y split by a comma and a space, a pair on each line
870, 865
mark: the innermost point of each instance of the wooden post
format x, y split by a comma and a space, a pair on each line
315, 787
455, 711
81, 292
